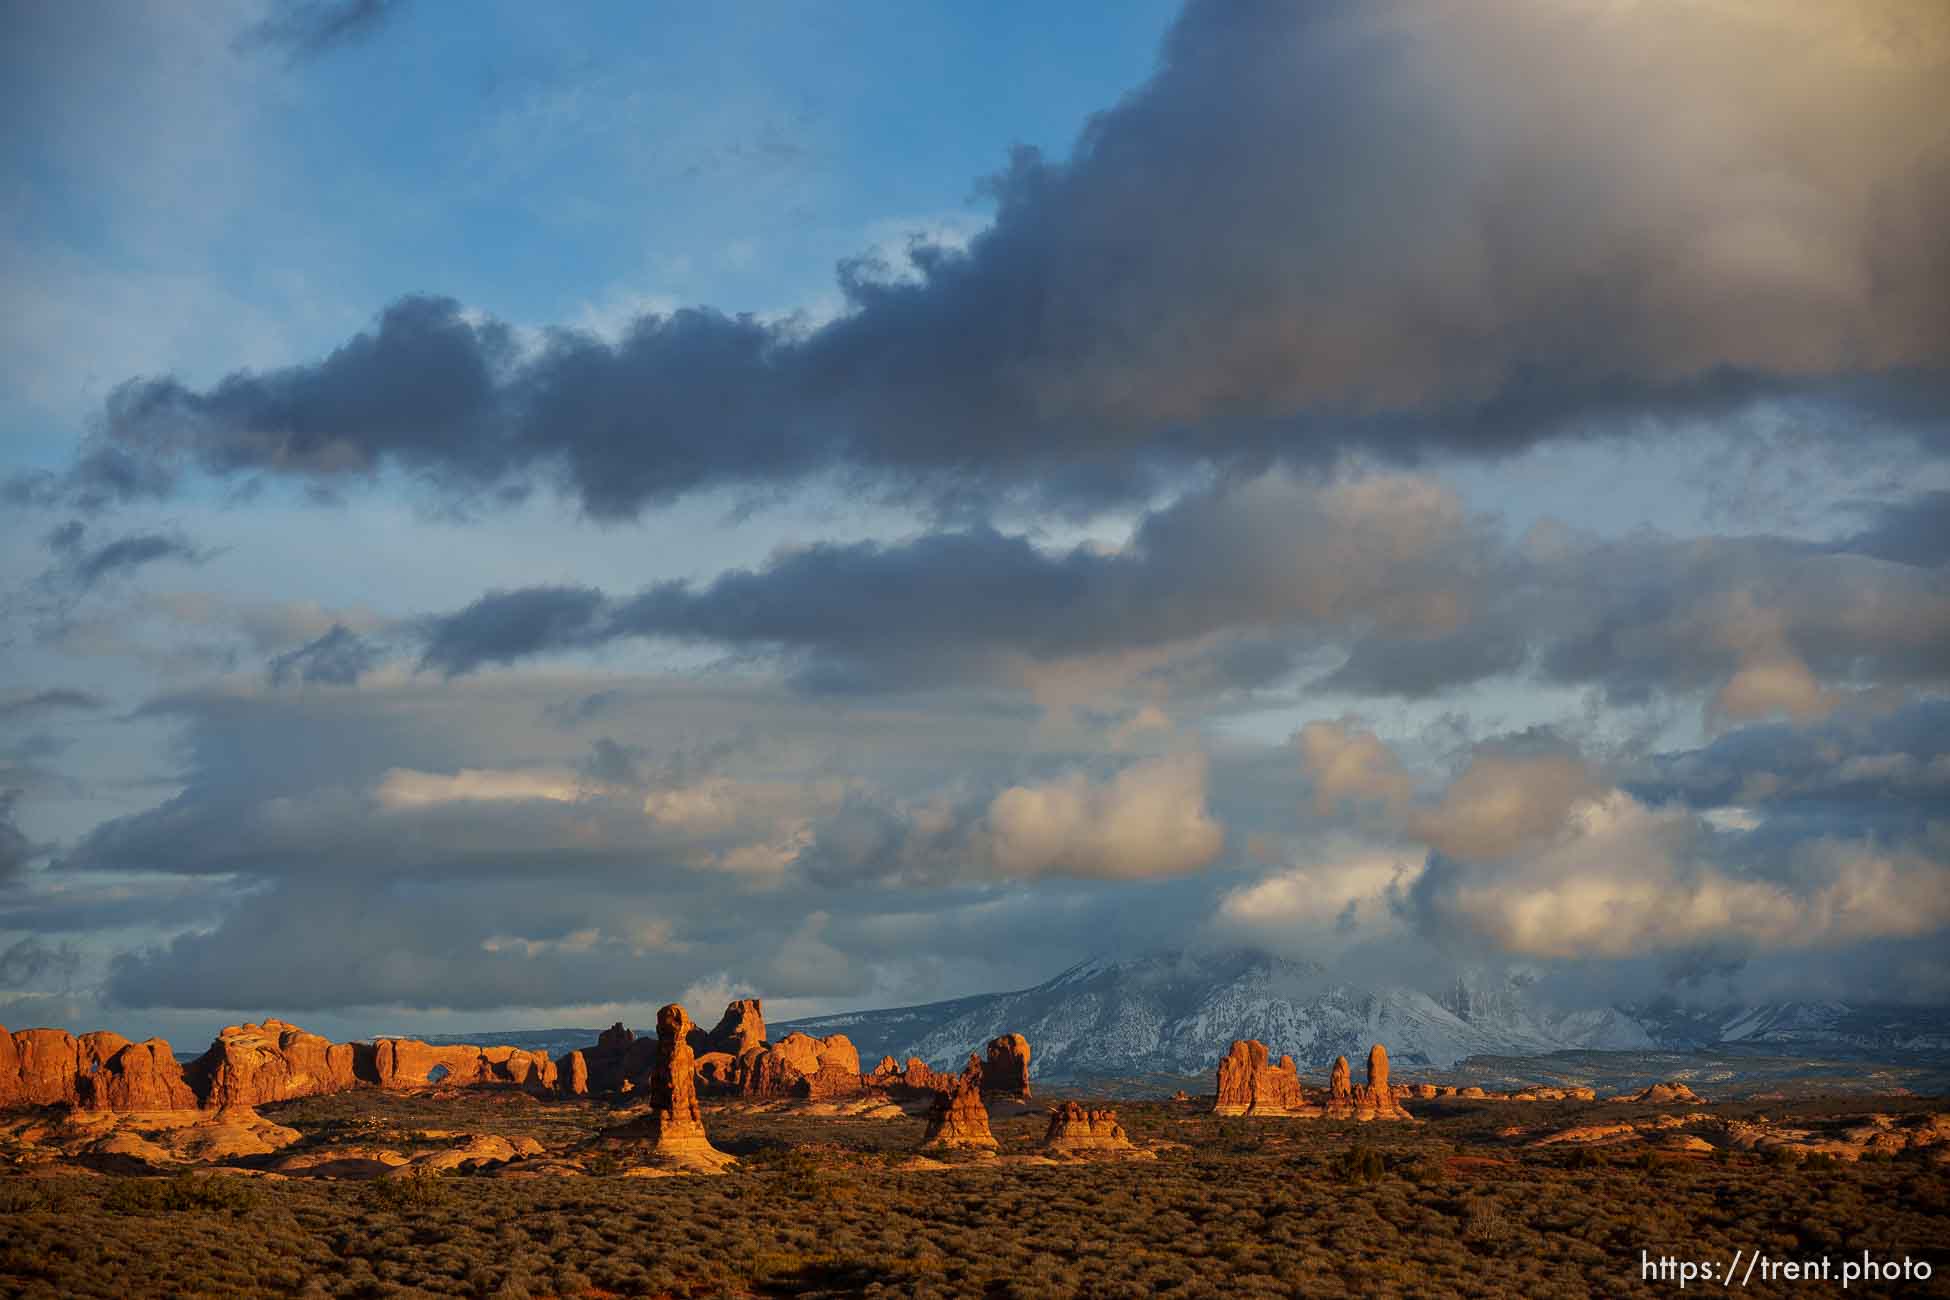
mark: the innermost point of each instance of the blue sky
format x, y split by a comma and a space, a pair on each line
515, 515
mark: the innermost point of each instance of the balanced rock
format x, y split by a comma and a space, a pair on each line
1248, 1085
1075, 1128
958, 1120
1006, 1071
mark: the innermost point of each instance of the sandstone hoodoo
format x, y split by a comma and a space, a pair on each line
1248, 1085
959, 1121
1006, 1071
1340, 1088
674, 1126
1377, 1100
1074, 1128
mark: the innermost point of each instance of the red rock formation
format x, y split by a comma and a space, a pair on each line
252, 1065
1006, 1071
958, 1119
142, 1076
45, 1061
407, 1063
740, 1029
246, 1065
799, 1065
618, 1061
718, 1070
887, 1069
673, 1095
674, 1126
1340, 1088
572, 1075
1074, 1128
1250, 1086
1668, 1094
1376, 1099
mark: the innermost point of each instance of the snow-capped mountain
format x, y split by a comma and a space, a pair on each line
1177, 1012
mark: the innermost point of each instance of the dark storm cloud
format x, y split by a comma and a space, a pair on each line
1318, 228
16, 850
1884, 775
1246, 584
504, 626
79, 566
31, 961
1916, 531
305, 29
16, 706
338, 658
969, 604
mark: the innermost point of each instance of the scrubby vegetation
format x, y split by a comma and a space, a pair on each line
821, 1205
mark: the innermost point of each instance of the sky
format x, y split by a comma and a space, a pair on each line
513, 514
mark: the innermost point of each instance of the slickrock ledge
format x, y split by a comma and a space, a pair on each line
1671, 1093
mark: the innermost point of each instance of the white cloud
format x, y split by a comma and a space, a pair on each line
1150, 820
405, 788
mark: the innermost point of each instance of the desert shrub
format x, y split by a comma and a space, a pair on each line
1586, 1158
420, 1190
1486, 1229
182, 1192
1358, 1164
